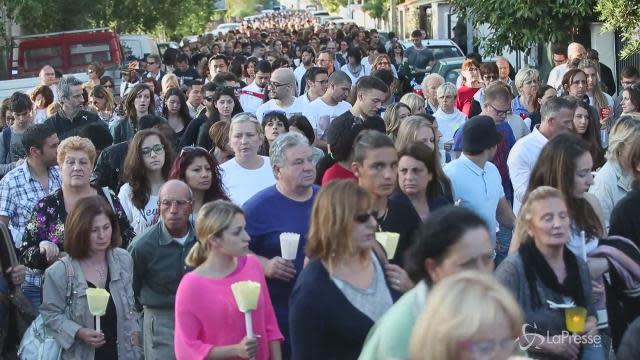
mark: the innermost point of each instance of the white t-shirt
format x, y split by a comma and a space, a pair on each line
181, 240
249, 99
241, 184
448, 124
354, 76
296, 108
320, 114
299, 74
140, 219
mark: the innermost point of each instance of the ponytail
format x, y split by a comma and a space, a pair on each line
197, 255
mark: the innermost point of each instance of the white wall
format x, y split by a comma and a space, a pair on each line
604, 43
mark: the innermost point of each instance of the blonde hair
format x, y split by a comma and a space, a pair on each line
447, 89
332, 219
451, 315
624, 131
246, 118
520, 233
598, 95
167, 80
76, 143
53, 108
213, 218
408, 129
415, 102
525, 75
391, 118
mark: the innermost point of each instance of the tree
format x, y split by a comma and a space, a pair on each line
622, 16
377, 9
333, 5
516, 24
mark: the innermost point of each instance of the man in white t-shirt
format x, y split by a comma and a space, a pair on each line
48, 77
574, 51
317, 79
252, 95
308, 58
332, 104
281, 89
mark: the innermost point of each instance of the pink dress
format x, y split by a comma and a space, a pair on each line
207, 314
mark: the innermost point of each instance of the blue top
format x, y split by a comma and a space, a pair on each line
518, 108
268, 214
323, 323
479, 189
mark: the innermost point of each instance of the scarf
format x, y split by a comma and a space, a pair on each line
536, 267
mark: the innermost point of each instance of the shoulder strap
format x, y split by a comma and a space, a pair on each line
6, 139
107, 194
68, 269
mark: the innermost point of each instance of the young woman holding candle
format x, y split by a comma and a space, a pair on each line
92, 240
221, 258
544, 272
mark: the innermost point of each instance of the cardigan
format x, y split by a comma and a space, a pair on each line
322, 322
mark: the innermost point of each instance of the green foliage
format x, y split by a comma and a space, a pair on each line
515, 24
377, 9
622, 16
333, 5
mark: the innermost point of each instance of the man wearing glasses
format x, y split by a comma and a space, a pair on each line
282, 88
318, 81
159, 264
153, 68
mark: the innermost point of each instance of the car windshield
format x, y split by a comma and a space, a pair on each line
442, 52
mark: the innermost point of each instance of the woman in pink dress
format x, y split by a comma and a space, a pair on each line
208, 324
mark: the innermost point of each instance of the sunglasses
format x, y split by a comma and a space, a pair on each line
192, 149
209, 98
363, 218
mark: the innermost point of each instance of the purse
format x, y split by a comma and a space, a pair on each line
37, 343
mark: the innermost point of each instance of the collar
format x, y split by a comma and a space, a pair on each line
624, 181
113, 265
471, 165
538, 135
167, 238
25, 167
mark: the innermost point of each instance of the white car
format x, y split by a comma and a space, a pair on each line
441, 48
225, 28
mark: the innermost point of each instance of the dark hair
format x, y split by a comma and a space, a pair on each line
245, 66
219, 134
556, 167
634, 160
416, 33
476, 57
46, 93
489, 68
20, 102
184, 109
36, 135
263, 66
209, 87
219, 57
302, 123
436, 236
634, 95
567, 79
186, 158
156, 86
130, 109
149, 121
592, 135
369, 140
96, 67
310, 50
219, 92
222, 77
356, 53
105, 79
135, 173
559, 49
385, 75
629, 71
236, 69
439, 186
77, 226
366, 83
272, 116
98, 134
314, 71
182, 57
542, 90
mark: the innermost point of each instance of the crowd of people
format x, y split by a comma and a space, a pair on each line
512, 201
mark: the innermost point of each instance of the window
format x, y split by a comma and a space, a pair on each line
36, 58
85, 54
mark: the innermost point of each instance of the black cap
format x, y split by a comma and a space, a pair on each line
480, 134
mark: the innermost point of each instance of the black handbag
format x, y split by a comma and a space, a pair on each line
19, 309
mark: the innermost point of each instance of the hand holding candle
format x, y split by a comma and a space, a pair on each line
289, 245
389, 241
575, 319
246, 294
98, 300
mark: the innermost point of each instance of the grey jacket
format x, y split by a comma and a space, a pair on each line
63, 324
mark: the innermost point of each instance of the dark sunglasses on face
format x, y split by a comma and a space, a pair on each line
363, 218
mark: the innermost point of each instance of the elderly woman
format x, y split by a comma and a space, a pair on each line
247, 173
138, 103
469, 334
449, 118
95, 261
614, 179
544, 274
344, 288
430, 86
471, 83
421, 179
43, 239
451, 234
527, 82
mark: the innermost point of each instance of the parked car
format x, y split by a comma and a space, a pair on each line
339, 23
441, 48
328, 18
138, 46
448, 68
225, 28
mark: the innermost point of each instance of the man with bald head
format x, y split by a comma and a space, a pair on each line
48, 77
575, 52
282, 89
158, 266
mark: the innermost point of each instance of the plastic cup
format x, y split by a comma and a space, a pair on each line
289, 245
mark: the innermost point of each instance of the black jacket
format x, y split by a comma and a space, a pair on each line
66, 128
110, 167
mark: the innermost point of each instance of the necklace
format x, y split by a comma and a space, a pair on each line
384, 217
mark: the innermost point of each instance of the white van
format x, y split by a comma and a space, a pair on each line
137, 46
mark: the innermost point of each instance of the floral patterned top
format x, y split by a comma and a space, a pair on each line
46, 223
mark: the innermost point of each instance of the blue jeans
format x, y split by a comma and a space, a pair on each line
32, 288
503, 240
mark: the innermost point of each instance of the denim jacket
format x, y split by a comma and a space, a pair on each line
64, 323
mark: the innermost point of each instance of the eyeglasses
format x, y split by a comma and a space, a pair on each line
151, 62
489, 78
277, 85
209, 98
179, 203
157, 148
473, 69
500, 112
192, 149
363, 218
486, 348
